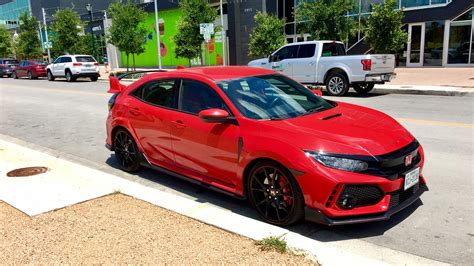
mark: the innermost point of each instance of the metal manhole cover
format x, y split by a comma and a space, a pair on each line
27, 171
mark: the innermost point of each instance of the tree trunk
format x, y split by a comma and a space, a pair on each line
189, 62
133, 58
127, 60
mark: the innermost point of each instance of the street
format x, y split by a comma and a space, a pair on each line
68, 120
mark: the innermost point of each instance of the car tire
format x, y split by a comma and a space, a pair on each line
29, 75
126, 151
275, 194
69, 76
9, 75
50, 76
94, 78
337, 84
364, 88
14, 76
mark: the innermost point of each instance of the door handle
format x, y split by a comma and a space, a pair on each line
178, 124
311, 63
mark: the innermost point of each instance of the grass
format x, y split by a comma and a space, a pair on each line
272, 243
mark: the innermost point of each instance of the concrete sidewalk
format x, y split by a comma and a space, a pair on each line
424, 81
67, 183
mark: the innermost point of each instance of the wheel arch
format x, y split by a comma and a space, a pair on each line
335, 70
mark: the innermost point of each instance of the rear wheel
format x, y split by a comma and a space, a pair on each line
69, 76
337, 84
14, 75
126, 151
94, 78
364, 88
50, 76
29, 75
275, 194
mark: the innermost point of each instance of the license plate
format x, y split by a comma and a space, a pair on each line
412, 178
87, 65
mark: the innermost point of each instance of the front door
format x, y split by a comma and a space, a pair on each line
283, 59
304, 69
416, 43
208, 150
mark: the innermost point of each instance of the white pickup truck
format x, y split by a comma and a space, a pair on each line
326, 62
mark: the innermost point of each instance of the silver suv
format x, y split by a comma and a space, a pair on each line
72, 67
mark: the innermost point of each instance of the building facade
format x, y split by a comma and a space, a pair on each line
10, 11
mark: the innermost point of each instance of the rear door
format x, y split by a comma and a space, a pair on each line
208, 150
150, 109
21, 70
304, 68
284, 59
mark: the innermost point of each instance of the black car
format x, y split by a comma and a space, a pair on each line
7, 66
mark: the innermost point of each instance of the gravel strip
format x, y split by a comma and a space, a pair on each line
122, 229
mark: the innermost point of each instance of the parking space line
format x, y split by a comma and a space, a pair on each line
435, 123
56, 90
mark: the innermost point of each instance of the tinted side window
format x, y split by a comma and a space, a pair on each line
333, 49
286, 53
306, 50
196, 96
158, 92
66, 60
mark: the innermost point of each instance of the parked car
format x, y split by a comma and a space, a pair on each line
6, 66
72, 67
256, 134
30, 69
326, 62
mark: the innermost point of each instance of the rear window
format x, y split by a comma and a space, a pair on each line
85, 59
306, 50
39, 63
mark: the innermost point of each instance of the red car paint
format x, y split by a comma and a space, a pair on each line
37, 69
209, 152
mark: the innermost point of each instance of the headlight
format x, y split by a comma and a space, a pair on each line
338, 162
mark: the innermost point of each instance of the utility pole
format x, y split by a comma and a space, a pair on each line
46, 35
89, 8
157, 28
40, 33
224, 52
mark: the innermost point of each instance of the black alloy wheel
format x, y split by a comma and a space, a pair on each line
29, 75
364, 88
275, 194
337, 84
50, 76
126, 151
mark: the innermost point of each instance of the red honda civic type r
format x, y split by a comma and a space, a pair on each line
258, 135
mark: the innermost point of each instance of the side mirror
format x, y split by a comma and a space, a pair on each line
318, 92
214, 115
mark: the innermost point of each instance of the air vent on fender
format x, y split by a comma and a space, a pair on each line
331, 116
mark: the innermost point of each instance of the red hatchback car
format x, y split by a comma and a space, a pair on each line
258, 135
30, 69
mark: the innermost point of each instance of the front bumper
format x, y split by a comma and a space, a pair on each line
380, 78
317, 216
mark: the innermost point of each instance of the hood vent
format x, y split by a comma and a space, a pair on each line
331, 116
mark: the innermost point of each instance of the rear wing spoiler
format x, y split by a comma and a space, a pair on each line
115, 85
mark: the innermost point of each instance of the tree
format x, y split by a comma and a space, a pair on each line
325, 19
128, 30
6, 47
28, 44
267, 36
66, 27
384, 28
188, 39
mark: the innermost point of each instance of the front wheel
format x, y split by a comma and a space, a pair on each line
364, 88
94, 78
275, 194
50, 76
126, 151
337, 84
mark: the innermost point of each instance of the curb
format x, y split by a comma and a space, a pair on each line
353, 251
415, 91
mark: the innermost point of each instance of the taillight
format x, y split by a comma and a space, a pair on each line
112, 101
96, 64
77, 64
366, 64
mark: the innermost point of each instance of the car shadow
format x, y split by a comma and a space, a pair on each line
352, 94
315, 231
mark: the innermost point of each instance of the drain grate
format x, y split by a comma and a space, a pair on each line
27, 171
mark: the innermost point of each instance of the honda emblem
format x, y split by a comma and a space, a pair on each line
408, 159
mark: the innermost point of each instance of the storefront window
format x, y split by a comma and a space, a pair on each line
434, 35
415, 3
460, 42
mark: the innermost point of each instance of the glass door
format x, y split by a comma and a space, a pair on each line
416, 43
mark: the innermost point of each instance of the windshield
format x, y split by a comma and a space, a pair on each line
11, 62
272, 97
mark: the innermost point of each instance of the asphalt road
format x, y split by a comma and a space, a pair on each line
68, 120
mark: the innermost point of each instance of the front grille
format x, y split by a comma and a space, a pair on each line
400, 196
362, 195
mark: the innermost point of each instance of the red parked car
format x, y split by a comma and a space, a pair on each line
30, 69
258, 135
